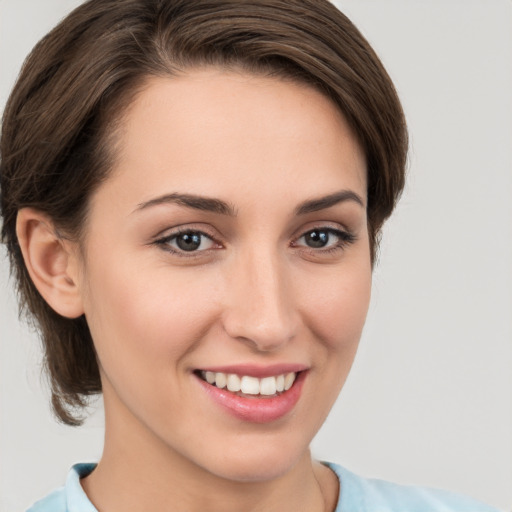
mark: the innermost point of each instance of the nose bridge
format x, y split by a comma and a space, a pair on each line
261, 307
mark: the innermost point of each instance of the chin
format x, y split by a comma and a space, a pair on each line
261, 471
266, 462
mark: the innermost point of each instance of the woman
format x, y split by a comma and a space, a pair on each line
192, 195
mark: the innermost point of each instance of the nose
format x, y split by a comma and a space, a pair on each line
260, 307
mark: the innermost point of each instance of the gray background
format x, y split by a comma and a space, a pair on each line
429, 400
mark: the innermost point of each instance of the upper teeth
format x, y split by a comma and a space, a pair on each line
250, 385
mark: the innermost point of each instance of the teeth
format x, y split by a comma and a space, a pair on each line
280, 383
234, 382
289, 379
220, 380
268, 386
248, 385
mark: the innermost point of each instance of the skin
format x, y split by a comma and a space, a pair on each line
257, 293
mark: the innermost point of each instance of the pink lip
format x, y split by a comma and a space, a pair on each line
258, 371
256, 410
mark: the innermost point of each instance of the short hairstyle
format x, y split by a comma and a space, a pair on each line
59, 125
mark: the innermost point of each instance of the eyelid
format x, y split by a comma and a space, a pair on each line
345, 238
333, 227
199, 227
163, 241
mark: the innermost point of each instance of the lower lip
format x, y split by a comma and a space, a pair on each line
256, 410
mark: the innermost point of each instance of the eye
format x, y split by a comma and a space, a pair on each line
325, 238
317, 238
187, 241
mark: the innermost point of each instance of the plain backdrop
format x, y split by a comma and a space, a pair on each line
429, 400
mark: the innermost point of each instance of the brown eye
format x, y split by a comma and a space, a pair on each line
325, 238
186, 241
317, 238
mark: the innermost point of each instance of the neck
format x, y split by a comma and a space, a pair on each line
137, 472
126, 483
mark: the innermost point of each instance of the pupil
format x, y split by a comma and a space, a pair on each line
188, 241
317, 239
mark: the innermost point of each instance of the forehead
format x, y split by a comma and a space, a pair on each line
214, 132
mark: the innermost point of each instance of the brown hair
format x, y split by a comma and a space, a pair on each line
58, 126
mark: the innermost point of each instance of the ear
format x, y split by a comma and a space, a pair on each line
51, 262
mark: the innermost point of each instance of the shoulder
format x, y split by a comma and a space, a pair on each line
69, 498
372, 495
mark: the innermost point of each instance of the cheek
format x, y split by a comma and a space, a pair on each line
336, 306
147, 316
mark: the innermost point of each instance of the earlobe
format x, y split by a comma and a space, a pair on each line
50, 261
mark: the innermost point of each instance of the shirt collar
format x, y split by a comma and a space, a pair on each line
76, 499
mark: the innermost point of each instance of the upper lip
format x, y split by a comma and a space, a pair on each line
259, 371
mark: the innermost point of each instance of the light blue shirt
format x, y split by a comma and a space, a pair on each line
357, 494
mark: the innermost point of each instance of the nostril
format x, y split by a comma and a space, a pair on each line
263, 334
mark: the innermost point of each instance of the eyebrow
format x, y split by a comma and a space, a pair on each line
214, 205
207, 204
322, 203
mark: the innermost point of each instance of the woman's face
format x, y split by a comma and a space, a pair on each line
229, 244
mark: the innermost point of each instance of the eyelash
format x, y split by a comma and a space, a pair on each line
345, 238
164, 242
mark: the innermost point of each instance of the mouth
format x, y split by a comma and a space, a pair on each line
252, 394
248, 386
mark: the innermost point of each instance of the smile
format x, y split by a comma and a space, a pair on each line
247, 385
253, 394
